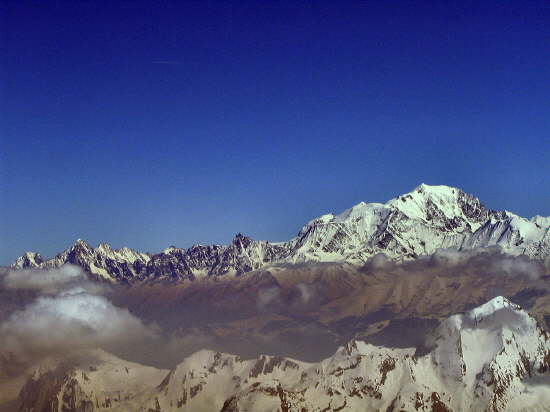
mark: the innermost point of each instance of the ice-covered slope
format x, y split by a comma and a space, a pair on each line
414, 224
492, 358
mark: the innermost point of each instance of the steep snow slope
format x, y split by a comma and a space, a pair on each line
414, 224
494, 358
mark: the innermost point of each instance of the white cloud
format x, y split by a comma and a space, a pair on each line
50, 281
70, 315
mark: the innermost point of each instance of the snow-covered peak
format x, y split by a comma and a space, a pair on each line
239, 238
435, 192
493, 337
530, 230
497, 313
490, 307
439, 189
424, 199
28, 260
170, 249
104, 248
123, 254
426, 203
81, 243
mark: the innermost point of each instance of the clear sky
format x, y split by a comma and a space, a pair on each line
148, 124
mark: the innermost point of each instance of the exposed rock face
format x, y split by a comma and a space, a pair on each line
492, 358
28, 260
417, 223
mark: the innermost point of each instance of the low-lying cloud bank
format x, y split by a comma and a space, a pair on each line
51, 281
70, 314
490, 261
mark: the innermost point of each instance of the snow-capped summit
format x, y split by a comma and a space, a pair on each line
493, 306
28, 260
411, 225
418, 223
440, 204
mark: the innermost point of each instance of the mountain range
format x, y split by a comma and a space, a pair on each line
415, 224
389, 307
495, 357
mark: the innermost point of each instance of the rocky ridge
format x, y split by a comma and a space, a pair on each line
411, 225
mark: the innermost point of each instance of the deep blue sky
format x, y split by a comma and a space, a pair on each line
158, 123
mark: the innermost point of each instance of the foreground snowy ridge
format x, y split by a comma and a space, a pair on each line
492, 358
411, 225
